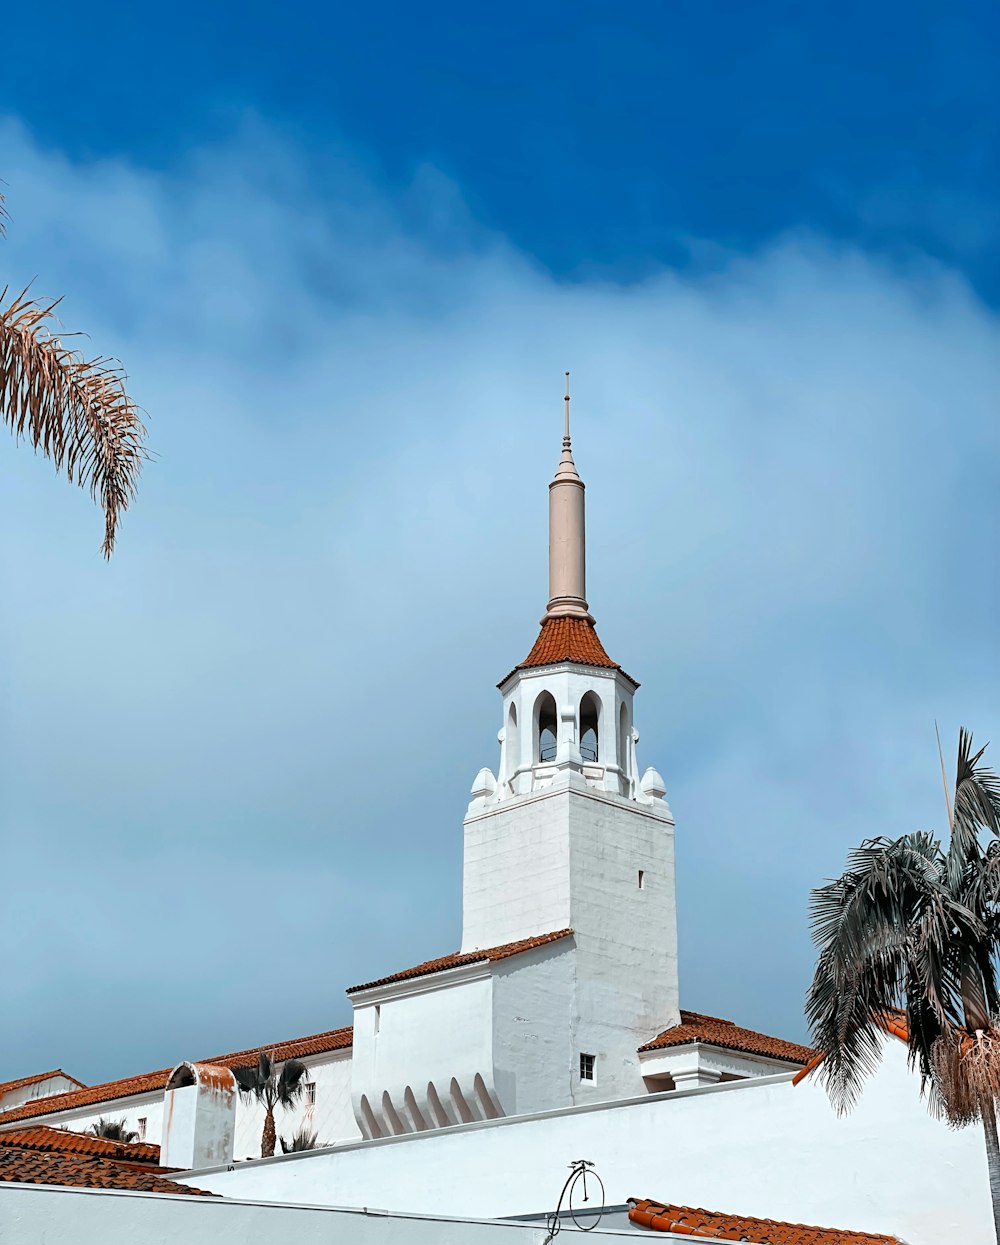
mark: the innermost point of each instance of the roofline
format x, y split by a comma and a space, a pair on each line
21, 1082
548, 667
470, 958
646, 1052
39, 1107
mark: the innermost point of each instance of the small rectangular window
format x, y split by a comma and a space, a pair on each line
310, 1093
378, 1016
642, 879
586, 1067
140, 1125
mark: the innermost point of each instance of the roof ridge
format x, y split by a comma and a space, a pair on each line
20, 1081
714, 1031
459, 959
146, 1082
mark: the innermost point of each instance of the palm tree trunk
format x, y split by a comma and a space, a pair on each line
267, 1141
992, 1157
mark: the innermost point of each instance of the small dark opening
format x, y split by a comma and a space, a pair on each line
588, 729
547, 730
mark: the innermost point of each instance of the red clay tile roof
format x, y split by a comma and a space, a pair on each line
471, 957
63, 1141
150, 1082
695, 1027
567, 639
713, 1226
31, 1167
7, 1086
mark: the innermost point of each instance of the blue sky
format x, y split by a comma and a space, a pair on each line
346, 257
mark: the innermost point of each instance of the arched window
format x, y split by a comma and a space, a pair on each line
512, 744
623, 739
590, 717
545, 727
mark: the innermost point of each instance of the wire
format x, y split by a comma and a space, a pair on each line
579, 1171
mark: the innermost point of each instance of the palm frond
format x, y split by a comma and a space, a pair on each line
880, 924
291, 1082
248, 1082
75, 410
113, 1130
304, 1139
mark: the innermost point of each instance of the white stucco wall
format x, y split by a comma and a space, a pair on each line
570, 857
42, 1215
534, 995
423, 1051
758, 1147
626, 935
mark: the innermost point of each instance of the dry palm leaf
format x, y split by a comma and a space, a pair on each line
75, 410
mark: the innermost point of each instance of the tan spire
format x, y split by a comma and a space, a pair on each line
567, 535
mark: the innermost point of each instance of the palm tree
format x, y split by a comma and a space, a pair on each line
113, 1130
75, 410
304, 1139
914, 925
272, 1085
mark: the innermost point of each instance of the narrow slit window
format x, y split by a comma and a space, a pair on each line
378, 1017
642, 879
587, 1067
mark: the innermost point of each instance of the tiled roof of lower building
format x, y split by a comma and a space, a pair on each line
63, 1141
567, 639
695, 1027
711, 1225
7, 1087
150, 1082
83, 1172
457, 960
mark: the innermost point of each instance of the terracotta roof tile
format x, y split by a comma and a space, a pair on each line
567, 639
695, 1027
471, 957
7, 1087
63, 1141
714, 1226
32, 1167
150, 1082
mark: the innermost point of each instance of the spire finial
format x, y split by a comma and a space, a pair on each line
567, 540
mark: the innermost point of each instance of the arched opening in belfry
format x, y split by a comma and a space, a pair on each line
623, 739
545, 727
512, 743
590, 721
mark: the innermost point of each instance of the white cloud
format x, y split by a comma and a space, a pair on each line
243, 749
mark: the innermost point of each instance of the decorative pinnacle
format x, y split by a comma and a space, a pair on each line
566, 468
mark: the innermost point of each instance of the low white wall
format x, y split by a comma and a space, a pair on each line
761, 1147
37, 1214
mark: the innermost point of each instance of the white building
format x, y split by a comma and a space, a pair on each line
556, 1029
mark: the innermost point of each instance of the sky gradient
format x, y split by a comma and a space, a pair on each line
346, 259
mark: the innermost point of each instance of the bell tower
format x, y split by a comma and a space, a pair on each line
567, 834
